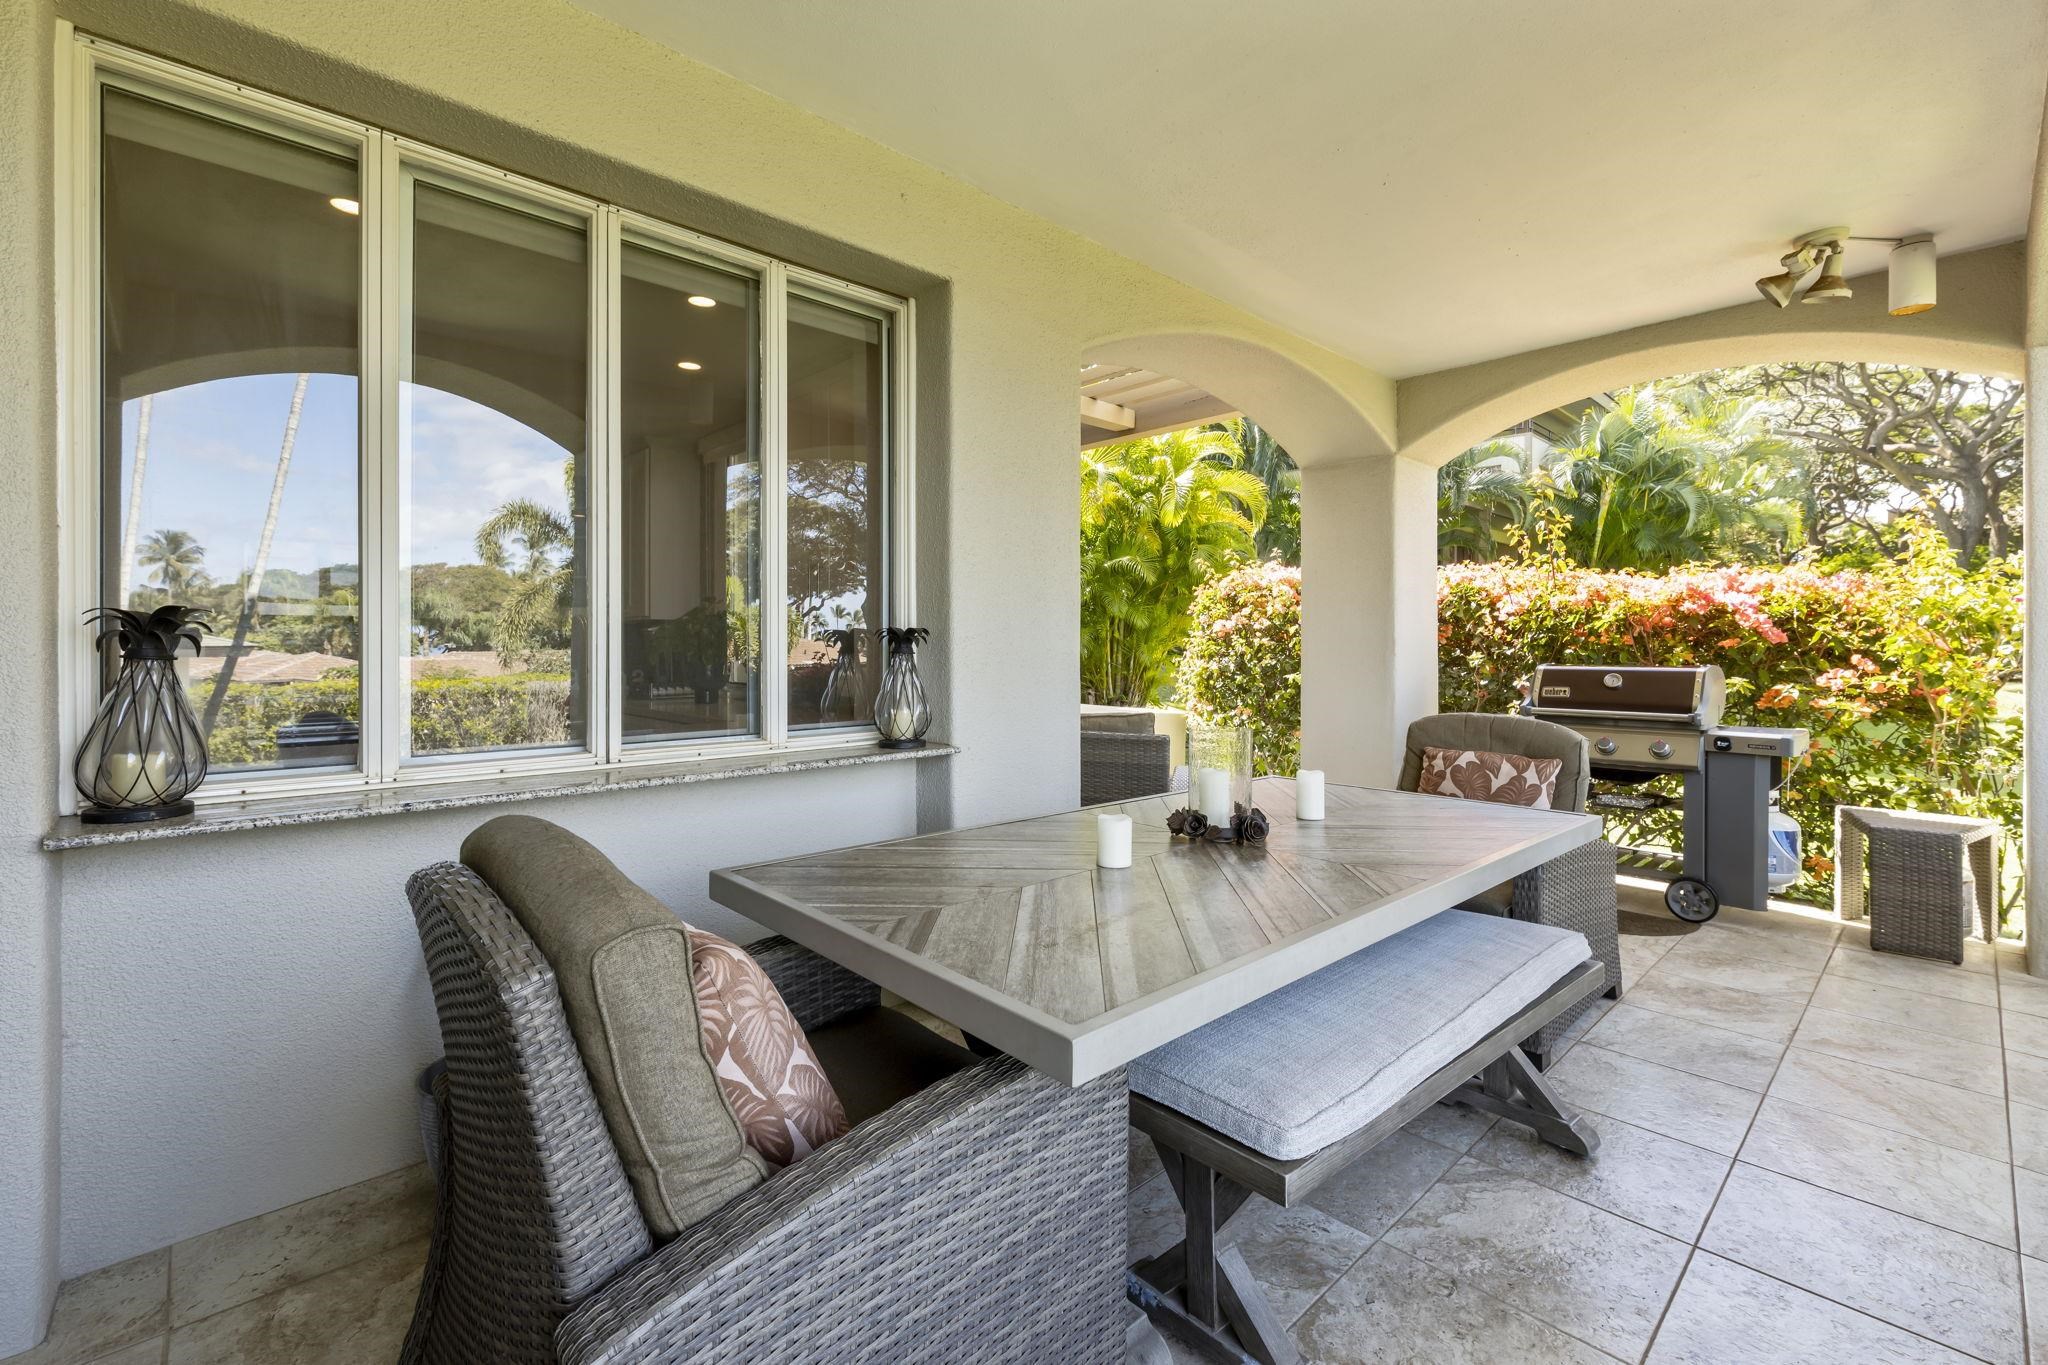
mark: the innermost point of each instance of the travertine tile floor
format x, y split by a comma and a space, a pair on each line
1811, 1153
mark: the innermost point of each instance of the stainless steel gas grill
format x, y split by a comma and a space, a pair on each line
1643, 722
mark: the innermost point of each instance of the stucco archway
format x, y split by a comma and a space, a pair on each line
1314, 420
1976, 329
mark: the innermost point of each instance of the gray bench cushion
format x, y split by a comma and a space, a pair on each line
1291, 1073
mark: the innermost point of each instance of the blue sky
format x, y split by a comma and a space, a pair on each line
213, 451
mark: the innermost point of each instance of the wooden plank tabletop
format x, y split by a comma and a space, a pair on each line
1011, 932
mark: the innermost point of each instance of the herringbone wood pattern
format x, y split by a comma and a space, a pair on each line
1023, 909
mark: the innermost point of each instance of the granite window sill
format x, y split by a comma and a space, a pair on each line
326, 808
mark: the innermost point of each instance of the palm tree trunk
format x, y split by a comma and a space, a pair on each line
127, 572
255, 584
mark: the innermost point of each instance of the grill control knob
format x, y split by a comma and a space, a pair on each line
1605, 745
1660, 749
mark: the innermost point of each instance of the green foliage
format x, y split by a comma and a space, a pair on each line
536, 547
330, 628
174, 561
448, 714
1242, 663
1656, 480
1158, 516
1485, 501
1252, 448
1895, 670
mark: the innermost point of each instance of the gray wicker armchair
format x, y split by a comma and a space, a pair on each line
1575, 891
982, 1218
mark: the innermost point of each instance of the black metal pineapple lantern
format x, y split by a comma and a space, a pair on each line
901, 712
143, 754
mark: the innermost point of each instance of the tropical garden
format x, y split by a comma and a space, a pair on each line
1843, 540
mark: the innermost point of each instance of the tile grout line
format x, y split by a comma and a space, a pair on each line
1693, 1249
1869, 1204
1375, 1240
1491, 1297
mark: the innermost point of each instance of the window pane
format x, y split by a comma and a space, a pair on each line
838, 361
689, 538
229, 432
492, 457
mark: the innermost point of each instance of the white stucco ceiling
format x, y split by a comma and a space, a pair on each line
1426, 183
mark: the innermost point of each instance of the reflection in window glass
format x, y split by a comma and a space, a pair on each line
689, 501
229, 458
837, 435
492, 423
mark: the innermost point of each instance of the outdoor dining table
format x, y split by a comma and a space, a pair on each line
1013, 934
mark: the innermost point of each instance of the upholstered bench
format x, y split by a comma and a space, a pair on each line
1276, 1097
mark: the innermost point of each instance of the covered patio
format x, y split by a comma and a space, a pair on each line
638, 369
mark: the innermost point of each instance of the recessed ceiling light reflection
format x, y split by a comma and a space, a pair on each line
703, 301
346, 205
688, 365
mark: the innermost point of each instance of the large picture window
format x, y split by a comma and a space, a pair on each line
469, 474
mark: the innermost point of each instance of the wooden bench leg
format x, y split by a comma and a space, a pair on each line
1513, 1089
1216, 1286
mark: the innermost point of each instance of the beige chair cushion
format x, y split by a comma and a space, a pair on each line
1482, 775
627, 974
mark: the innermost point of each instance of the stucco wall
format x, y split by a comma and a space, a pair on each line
246, 1037
242, 1014
28, 880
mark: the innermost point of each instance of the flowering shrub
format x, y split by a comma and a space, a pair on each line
1897, 672
1242, 662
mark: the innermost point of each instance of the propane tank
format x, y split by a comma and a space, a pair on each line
1783, 861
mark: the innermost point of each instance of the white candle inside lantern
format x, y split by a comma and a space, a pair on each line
902, 723
1112, 841
1308, 794
1212, 795
120, 770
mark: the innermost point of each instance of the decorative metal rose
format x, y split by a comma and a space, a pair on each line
1247, 825
144, 753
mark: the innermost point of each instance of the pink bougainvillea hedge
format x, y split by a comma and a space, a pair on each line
1905, 674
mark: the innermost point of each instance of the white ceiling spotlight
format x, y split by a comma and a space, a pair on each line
1912, 275
1813, 271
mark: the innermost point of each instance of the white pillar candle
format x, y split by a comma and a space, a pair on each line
119, 771
1212, 795
1308, 794
1112, 841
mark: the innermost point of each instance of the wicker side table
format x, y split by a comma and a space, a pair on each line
1929, 876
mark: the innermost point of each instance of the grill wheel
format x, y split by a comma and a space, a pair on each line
1692, 901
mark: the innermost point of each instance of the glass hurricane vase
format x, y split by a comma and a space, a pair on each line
1219, 773
901, 712
143, 754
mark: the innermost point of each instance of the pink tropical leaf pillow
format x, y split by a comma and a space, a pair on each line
785, 1105
1481, 775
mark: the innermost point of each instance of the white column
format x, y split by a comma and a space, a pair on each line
1368, 614
2036, 658
28, 759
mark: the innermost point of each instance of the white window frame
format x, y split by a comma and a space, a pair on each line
388, 165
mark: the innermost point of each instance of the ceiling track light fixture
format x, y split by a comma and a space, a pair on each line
1812, 271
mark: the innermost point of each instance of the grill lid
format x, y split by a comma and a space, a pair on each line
1694, 695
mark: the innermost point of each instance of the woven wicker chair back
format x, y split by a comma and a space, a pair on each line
535, 1212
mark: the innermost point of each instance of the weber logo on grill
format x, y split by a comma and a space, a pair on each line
1557, 691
